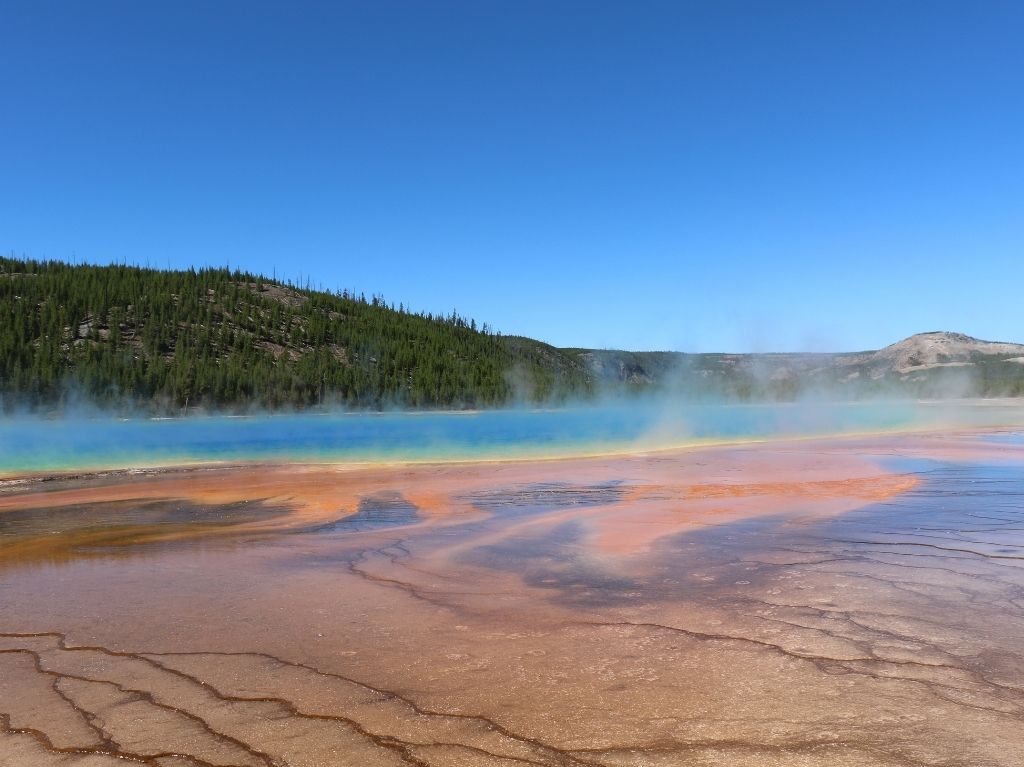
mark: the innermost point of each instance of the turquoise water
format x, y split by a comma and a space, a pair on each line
45, 445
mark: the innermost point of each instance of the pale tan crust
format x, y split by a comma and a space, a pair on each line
749, 605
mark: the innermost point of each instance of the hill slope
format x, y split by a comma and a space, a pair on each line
168, 341
937, 364
942, 349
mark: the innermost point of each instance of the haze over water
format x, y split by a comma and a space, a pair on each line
33, 444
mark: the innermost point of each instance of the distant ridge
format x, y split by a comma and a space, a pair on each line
938, 348
931, 364
186, 341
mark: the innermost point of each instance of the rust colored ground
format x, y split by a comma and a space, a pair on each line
842, 602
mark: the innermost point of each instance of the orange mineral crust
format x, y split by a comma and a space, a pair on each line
810, 603
678, 482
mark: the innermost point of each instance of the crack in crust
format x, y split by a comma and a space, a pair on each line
547, 755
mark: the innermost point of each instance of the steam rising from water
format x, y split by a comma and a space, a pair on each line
31, 444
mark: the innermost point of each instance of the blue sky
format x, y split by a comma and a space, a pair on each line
698, 176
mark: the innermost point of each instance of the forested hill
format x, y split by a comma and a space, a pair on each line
214, 339
217, 339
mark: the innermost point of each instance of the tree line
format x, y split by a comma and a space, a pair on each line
215, 338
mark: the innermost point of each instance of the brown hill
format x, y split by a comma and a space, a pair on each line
941, 349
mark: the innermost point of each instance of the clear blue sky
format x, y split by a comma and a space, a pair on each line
698, 176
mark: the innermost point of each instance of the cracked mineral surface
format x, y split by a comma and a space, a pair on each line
814, 603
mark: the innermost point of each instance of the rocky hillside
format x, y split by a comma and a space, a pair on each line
926, 351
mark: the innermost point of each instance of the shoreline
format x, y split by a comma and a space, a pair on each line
58, 416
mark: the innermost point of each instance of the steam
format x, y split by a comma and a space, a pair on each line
631, 403
30, 444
